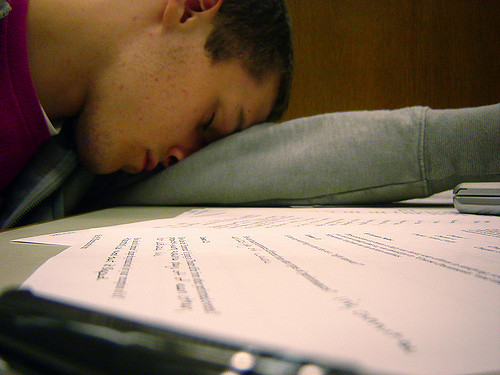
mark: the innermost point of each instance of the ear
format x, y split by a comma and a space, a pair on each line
181, 11
205, 8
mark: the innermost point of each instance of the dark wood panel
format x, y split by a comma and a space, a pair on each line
365, 54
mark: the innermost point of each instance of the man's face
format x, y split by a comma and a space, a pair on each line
156, 104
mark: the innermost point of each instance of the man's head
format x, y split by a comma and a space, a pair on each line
199, 71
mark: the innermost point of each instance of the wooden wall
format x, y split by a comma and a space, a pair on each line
366, 54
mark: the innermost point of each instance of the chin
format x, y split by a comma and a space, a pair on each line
96, 166
95, 148
131, 170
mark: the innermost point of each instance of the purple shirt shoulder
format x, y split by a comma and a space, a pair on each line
23, 127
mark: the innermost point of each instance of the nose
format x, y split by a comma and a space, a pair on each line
181, 150
173, 156
176, 153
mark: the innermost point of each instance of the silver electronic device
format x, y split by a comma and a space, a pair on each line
477, 198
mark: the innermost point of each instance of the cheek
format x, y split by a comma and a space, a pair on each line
94, 145
167, 118
104, 141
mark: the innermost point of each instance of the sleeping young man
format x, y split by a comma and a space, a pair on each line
134, 87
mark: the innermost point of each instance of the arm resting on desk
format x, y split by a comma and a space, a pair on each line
338, 158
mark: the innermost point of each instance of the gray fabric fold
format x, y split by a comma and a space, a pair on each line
462, 145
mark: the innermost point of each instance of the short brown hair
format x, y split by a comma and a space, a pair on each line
258, 32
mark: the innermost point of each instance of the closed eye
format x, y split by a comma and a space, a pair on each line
209, 133
209, 123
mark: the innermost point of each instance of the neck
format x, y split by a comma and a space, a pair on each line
71, 41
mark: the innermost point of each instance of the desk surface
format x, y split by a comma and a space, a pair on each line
19, 260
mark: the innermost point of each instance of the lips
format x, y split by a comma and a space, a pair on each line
149, 162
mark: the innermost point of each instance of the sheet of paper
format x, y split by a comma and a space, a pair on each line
387, 290
249, 218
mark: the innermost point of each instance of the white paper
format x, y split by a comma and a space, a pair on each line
275, 218
408, 291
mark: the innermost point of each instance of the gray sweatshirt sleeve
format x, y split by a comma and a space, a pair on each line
337, 158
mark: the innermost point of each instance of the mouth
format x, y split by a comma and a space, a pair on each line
149, 162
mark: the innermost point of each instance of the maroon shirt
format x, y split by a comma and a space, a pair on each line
23, 127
